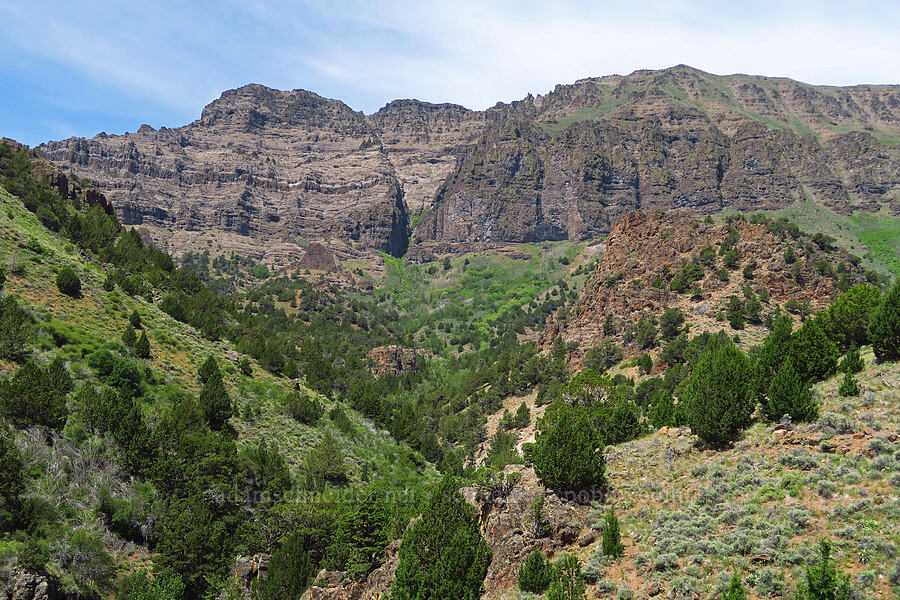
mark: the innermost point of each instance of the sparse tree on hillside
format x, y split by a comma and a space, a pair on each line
215, 402
718, 394
142, 346
16, 330
68, 283
535, 573
567, 453
884, 326
790, 395
612, 538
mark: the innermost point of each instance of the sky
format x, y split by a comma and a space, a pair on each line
78, 68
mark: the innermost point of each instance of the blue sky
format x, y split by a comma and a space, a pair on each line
78, 68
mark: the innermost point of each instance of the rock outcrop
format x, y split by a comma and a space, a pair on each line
646, 250
393, 360
262, 170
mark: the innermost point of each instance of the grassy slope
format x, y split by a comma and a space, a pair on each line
178, 351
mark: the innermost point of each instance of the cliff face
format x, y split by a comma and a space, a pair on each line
262, 167
257, 170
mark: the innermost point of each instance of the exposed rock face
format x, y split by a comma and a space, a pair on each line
392, 360
18, 584
336, 585
646, 248
318, 257
262, 167
259, 168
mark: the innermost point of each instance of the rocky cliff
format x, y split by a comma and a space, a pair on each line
645, 251
262, 170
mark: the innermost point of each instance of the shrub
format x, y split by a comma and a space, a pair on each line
603, 357
612, 538
290, 572
731, 259
848, 387
29, 398
852, 362
245, 366
718, 394
87, 559
304, 408
567, 452
163, 585
535, 573
2, 277
688, 274
442, 555
68, 282
790, 395
884, 326
12, 486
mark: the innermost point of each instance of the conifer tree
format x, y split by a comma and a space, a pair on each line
884, 326
129, 337
215, 402
59, 376
612, 538
790, 395
142, 346
718, 395
442, 555
16, 330
736, 589
29, 398
853, 362
535, 573
567, 453
824, 581
68, 283
848, 387
135, 319
208, 369
814, 355
290, 572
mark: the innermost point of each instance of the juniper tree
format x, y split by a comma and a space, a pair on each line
884, 326
790, 395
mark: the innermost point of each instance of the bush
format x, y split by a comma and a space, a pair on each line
718, 394
442, 555
245, 366
535, 573
163, 585
612, 538
304, 408
567, 452
68, 282
848, 387
790, 395
884, 326
690, 273
852, 362
29, 398
290, 572
603, 357
87, 559
12, 486
2, 277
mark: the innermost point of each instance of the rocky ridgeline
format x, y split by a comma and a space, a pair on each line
648, 248
262, 167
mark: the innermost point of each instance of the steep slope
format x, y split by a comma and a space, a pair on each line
260, 172
645, 253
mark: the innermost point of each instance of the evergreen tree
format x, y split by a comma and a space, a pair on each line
16, 330
142, 346
135, 319
846, 321
772, 354
442, 555
718, 394
360, 537
602, 357
535, 574
884, 326
68, 283
736, 589
848, 387
567, 452
735, 313
129, 337
12, 486
824, 581
245, 367
568, 583
853, 362
60, 380
645, 364
670, 323
290, 572
29, 398
814, 355
790, 395
612, 538
209, 369
2, 277
215, 402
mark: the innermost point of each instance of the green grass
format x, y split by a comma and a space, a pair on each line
882, 235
